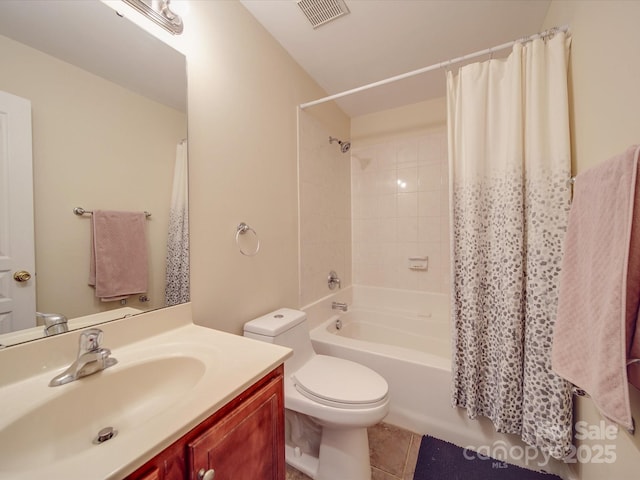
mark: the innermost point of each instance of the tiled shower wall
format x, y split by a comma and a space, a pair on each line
400, 209
325, 210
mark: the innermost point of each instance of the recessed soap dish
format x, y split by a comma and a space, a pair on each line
419, 263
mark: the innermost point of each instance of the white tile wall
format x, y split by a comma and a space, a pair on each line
400, 209
325, 210
365, 214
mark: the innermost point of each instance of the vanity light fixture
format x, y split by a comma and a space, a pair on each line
159, 12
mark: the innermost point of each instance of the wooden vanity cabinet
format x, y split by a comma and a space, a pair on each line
244, 440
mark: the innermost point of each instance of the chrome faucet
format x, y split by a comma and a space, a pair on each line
91, 358
339, 306
54, 323
333, 280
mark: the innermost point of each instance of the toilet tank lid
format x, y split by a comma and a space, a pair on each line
276, 322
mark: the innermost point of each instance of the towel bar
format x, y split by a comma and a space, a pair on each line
81, 211
578, 392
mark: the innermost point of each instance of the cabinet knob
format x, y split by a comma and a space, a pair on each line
206, 475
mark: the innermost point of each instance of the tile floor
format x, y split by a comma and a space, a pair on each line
394, 453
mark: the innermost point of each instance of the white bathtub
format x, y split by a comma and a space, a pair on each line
411, 351
405, 336
422, 337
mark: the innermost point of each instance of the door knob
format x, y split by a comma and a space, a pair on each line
22, 276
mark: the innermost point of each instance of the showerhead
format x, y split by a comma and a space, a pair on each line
344, 146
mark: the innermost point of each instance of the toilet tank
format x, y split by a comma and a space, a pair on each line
286, 327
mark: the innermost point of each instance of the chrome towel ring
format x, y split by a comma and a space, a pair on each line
241, 230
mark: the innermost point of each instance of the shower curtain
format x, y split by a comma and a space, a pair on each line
509, 161
177, 278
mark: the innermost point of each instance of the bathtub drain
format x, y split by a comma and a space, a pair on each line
338, 324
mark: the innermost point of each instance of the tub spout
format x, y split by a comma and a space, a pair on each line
339, 306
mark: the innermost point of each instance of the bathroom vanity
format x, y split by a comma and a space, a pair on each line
183, 401
242, 440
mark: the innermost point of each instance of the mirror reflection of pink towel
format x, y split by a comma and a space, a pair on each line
596, 330
118, 266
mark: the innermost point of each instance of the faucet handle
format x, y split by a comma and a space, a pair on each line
90, 340
333, 280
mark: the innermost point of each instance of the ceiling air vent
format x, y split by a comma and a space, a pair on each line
320, 12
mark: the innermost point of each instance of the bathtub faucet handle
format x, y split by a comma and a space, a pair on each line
339, 306
333, 280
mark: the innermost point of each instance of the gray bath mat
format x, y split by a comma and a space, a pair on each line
440, 460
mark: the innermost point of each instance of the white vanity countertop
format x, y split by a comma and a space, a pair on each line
230, 363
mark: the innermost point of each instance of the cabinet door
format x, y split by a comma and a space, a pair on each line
170, 464
153, 474
246, 444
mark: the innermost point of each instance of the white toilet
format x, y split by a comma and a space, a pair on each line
337, 397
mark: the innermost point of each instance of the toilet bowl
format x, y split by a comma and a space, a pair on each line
342, 397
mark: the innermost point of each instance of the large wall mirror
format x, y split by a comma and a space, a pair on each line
108, 106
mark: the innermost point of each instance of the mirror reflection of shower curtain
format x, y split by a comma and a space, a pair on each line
177, 278
509, 160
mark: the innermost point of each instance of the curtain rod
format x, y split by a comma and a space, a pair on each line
446, 63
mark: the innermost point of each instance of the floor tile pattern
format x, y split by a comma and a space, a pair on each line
393, 454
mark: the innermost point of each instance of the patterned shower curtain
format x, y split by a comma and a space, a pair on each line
177, 278
509, 161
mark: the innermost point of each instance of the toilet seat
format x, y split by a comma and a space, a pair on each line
340, 383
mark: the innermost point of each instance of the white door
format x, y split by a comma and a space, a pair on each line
17, 258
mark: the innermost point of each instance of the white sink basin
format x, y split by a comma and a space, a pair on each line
171, 375
123, 397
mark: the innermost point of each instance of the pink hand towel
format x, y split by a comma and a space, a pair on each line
595, 330
118, 266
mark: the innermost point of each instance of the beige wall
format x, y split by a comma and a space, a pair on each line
95, 145
401, 122
605, 120
243, 93
604, 72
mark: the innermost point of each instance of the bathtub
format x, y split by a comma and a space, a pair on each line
412, 351
405, 337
